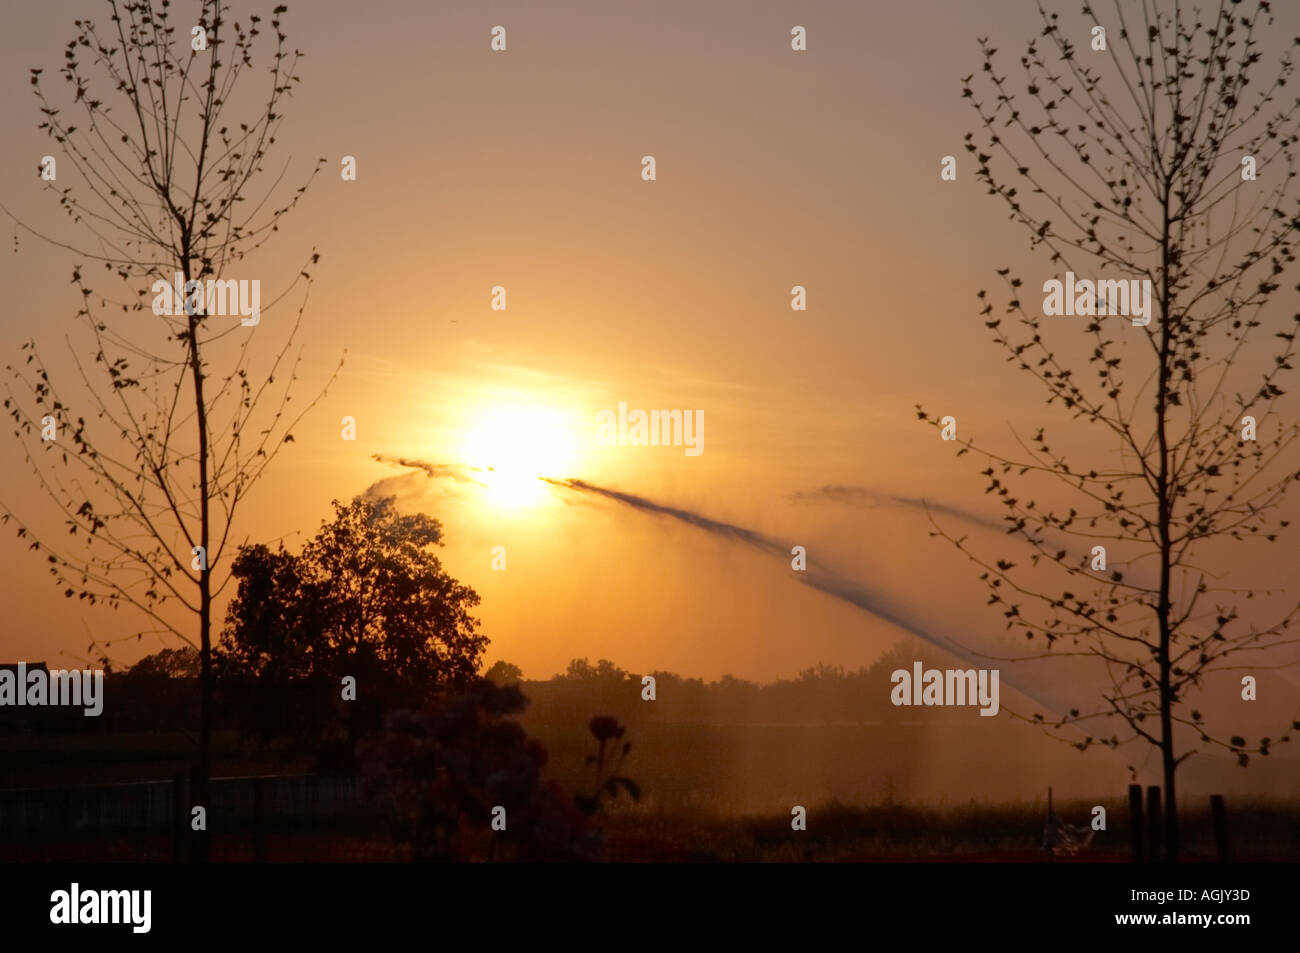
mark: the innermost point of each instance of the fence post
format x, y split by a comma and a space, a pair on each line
178, 816
259, 820
1153, 822
1220, 817
1135, 820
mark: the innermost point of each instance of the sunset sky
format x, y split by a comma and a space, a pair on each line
523, 170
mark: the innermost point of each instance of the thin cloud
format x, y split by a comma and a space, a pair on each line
870, 499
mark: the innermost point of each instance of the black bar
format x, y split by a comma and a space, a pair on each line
397, 896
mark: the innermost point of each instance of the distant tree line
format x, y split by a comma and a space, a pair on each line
306, 711
822, 693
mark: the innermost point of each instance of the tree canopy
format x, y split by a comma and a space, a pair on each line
367, 598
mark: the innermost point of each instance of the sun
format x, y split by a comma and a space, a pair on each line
512, 447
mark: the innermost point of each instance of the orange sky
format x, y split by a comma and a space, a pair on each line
523, 170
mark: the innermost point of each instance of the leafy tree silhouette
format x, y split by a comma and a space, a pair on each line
168, 663
504, 673
367, 598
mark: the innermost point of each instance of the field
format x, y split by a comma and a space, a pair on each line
836, 833
710, 793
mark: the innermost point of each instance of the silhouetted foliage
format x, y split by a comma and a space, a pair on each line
168, 663
822, 693
441, 770
366, 598
504, 673
607, 761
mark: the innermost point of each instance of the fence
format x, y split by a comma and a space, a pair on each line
1145, 834
233, 804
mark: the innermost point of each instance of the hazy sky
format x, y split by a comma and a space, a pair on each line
523, 169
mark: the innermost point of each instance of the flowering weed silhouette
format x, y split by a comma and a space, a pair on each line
607, 761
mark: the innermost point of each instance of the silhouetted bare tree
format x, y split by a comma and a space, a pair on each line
171, 425
1134, 161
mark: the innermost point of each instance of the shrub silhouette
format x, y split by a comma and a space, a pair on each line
443, 769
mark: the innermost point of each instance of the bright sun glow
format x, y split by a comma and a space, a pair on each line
513, 446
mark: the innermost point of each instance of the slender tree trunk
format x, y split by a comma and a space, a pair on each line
201, 419
1163, 520
205, 577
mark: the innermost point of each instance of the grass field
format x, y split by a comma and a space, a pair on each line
710, 793
836, 833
